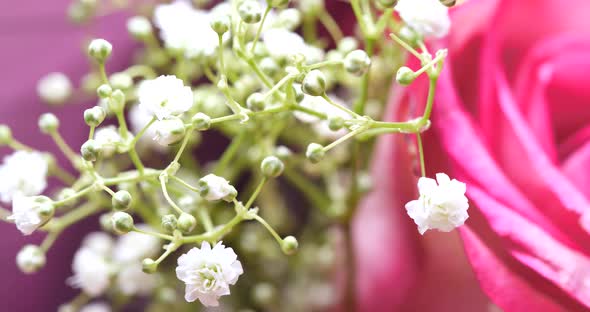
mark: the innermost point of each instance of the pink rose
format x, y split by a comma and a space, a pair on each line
512, 120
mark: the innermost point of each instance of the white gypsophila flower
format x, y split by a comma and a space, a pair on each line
131, 280
441, 206
24, 173
30, 259
428, 18
184, 28
96, 307
100, 242
139, 26
215, 187
165, 96
208, 272
133, 246
54, 88
322, 127
107, 138
30, 212
280, 43
168, 131
91, 272
138, 118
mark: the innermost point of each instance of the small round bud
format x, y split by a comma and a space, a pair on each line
405, 76
289, 245
116, 101
139, 27
283, 152
387, 4
314, 83
201, 121
48, 123
347, 45
357, 62
149, 266
5, 135
278, 3
335, 123
104, 91
315, 152
90, 150
169, 223
269, 66
45, 207
54, 88
255, 101
121, 200
186, 222
250, 11
121, 81
100, 50
105, 222
220, 24
272, 167
122, 222
94, 116
30, 259
169, 131
299, 95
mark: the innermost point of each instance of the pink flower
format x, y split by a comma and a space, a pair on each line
512, 121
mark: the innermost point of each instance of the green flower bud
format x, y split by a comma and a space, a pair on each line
299, 95
186, 222
289, 245
94, 116
272, 167
149, 266
278, 3
30, 259
405, 76
283, 152
335, 123
90, 150
314, 83
255, 101
357, 62
48, 123
201, 121
347, 45
104, 91
122, 222
250, 11
387, 4
116, 101
169, 223
105, 222
5, 135
121, 81
121, 200
220, 24
315, 152
100, 50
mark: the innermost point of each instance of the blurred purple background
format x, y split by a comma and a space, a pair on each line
37, 38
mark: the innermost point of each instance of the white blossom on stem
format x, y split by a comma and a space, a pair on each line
91, 272
30, 212
22, 173
165, 96
428, 18
214, 187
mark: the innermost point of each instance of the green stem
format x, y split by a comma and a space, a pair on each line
269, 228
255, 194
259, 31
421, 153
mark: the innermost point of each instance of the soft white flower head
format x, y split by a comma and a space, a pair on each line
100, 242
96, 307
320, 104
169, 131
30, 259
133, 246
91, 272
441, 206
138, 118
215, 187
208, 273
281, 43
183, 28
54, 88
30, 212
107, 138
23, 173
428, 18
131, 280
165, 96
139, 26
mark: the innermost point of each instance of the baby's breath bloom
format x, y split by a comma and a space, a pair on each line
131, 280
30, 212
54, 88
138, 118
91, 272
107, 138
215, 188
281, 43
441, 206
322, 127
99, 242
96, 307
429, 18
24, 173
133, 246
169, 131
165, 96
208, 273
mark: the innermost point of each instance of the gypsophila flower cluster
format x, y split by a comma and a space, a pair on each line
241, 126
